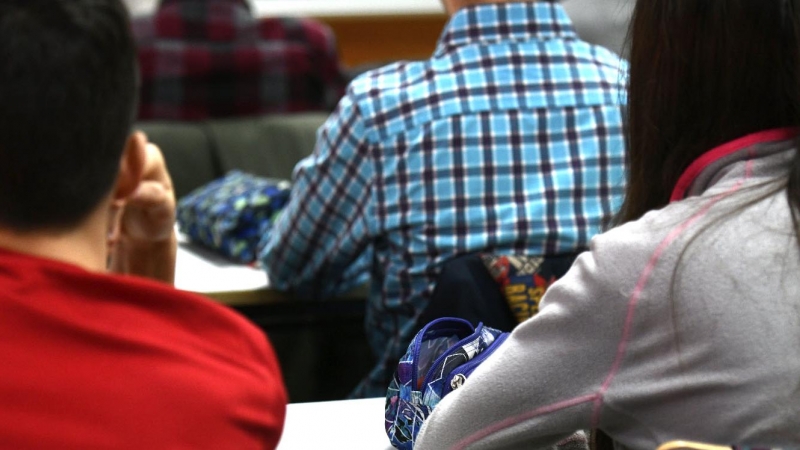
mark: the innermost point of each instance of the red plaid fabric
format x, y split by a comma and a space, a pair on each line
204, 59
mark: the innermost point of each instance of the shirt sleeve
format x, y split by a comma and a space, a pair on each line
546, 380
320, 245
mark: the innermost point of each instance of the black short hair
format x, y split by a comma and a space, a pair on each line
68, 78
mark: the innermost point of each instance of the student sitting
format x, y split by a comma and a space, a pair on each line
203, 59
682, 322
509, 139
90, 359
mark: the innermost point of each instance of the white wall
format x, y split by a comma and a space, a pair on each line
600, 21
140, 7
319, 7
345, 7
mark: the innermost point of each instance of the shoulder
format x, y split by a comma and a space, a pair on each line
380, 98
745, 242
172, 315
142, 313
639, 254
603, 58
592, 65
378, 90
699, 235
219, 359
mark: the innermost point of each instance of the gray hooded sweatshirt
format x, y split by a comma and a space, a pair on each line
684, 324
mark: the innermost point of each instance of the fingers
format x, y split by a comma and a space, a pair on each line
113, 227
141, 238
148, 214
155, 168
151, 203
150, 194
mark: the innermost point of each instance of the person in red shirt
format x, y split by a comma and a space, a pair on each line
93, 359
204, 59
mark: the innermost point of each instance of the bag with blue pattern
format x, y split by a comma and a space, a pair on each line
438, 361
231, 215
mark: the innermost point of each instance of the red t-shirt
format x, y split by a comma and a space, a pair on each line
97, 361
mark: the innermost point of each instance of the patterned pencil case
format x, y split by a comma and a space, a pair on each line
232, 214
439, 360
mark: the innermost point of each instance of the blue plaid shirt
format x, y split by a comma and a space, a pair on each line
509, 139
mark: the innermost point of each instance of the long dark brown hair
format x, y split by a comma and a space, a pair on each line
702, 73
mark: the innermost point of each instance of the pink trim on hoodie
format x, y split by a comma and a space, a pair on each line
700, 164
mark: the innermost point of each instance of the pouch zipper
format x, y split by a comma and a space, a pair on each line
460, 343
417, 349
467, 368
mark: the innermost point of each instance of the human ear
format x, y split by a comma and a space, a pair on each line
131, 166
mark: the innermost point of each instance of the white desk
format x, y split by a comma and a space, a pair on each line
200, 270
345, 425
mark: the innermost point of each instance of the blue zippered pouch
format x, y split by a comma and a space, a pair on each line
439, 360
233, 214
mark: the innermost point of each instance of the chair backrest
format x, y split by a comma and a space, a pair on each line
189, 153
268, 146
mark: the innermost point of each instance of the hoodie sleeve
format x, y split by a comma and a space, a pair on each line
548, 378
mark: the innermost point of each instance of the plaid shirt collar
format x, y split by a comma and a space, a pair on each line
505, 22
243, 3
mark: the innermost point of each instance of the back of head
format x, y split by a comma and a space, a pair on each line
704, 72
67, 99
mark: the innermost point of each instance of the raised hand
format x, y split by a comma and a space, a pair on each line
142, 238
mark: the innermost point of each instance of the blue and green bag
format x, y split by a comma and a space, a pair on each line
231, 215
